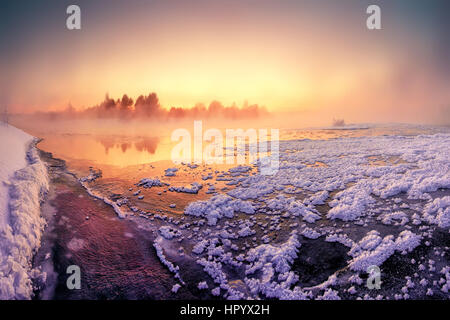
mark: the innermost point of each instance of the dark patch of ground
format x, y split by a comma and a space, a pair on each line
318, 259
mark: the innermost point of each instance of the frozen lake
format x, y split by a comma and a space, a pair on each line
342, 201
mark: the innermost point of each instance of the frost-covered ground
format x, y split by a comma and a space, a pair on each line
334, 209
311, 231
23, 182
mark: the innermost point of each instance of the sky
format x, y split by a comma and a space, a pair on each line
311, 57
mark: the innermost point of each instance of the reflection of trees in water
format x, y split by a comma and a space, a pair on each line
107, 143
125, 146
148, 144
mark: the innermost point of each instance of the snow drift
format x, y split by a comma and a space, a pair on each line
24, 182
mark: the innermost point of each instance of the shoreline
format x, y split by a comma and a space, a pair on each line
22, 234
116, 258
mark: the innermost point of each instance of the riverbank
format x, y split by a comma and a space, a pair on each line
23, 188
116, 258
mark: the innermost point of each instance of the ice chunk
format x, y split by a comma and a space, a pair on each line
218, 207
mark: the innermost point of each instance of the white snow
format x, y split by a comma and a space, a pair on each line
170, 172
148, 183
310, 233
374, 250
246, 231
424, 168
169, 233
175, 288
215, 291
194, 188
117, 205
202, 285
24, 183
160, 253
218, 207
200, 247
394, 217
273, 258
13, 148
329, 294
438, 212
276, 277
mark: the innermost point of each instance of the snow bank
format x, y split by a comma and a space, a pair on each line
13, 148
24, 184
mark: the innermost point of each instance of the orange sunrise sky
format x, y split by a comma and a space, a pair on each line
289, 56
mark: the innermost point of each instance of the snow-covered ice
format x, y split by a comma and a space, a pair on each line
346, 189
372, 200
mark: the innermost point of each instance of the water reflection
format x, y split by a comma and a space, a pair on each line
111, 150
147, 144
142, 144
133, 147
